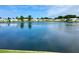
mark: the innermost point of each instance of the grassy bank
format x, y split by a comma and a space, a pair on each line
19, 51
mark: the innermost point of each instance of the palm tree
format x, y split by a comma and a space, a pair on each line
8, 19
22, 18
30, 18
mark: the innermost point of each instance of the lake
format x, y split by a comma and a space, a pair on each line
40, 36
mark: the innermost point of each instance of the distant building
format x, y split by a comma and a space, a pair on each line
73, 19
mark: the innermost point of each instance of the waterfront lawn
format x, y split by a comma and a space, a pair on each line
19, 51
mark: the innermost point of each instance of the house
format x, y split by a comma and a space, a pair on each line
73, 19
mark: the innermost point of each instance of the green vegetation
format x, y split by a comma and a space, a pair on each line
20, 51
69, 18
8, 19
66, 18
21, 18
30, 18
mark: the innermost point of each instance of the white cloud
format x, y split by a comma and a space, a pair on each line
62, 10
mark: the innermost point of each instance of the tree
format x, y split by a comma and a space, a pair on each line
46, 18
37, 18
42, 18
70, 16
30, 18
17, 17
77, 17
60, 17
8, 19
22, 18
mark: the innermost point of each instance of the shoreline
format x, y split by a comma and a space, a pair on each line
39, 21
22, 51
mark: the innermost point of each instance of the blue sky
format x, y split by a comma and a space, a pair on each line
38, 10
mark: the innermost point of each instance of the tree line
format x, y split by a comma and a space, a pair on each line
67, 17
59, 17
21, 18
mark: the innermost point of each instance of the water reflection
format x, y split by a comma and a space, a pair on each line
46, 36
29, 25
69, 24
8, 23
22, 25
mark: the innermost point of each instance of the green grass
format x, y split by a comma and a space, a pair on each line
19, 51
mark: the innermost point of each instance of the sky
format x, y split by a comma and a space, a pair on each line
38, 10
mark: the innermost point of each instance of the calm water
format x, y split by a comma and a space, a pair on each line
43, 36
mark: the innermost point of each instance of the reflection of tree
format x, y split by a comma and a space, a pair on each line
29, 21
8, 24
22, 25
29, 25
